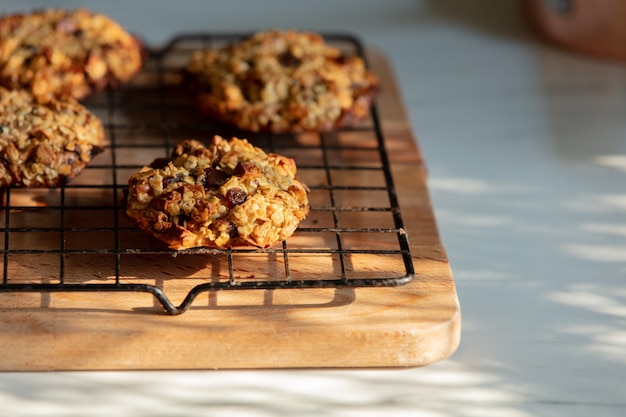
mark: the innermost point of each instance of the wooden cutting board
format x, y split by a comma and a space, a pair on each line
405, 326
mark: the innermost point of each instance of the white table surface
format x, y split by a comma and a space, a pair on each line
526, 149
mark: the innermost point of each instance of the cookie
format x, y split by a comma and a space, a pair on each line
45, 144
229, 193
66, 53
283, 81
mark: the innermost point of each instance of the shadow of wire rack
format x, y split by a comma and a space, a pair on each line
77, 239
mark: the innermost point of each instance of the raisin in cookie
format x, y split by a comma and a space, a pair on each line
283, 81
45, 144
60, 52
227, 194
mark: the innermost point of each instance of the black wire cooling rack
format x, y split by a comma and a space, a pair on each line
77, 239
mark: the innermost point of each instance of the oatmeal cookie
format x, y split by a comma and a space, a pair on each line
45, 144
282, 81
58, 52
227, 194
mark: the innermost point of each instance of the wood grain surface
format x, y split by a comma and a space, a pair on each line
406, 326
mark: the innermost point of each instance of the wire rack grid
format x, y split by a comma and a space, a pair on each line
76, 238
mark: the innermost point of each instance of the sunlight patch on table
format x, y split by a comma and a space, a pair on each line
616, 201
463, 219
605, 228
464, 185
605, 341
597, 253
590, 298
461, 185
612, 161
445, 389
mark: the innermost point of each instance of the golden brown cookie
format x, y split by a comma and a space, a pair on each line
226, 194
45, 144
65, 53
283, 81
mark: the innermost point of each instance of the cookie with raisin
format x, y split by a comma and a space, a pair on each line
45, 144
56, 52
283, 81
229, 193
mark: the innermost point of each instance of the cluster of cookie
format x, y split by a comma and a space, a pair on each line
225, 194
48, 61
